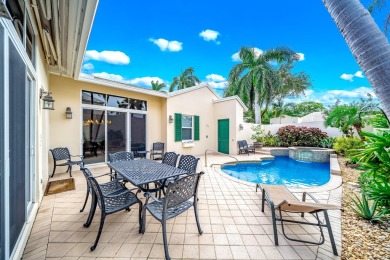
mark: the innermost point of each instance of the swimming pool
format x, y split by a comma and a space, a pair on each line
281, 170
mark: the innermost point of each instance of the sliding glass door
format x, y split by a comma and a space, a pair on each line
94, 135
116, 131
138, 132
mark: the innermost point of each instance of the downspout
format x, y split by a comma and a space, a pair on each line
34, 5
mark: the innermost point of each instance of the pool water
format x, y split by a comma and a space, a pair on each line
282, 170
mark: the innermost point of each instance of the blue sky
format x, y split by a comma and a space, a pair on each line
139, 41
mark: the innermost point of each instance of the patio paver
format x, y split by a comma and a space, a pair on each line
230, 215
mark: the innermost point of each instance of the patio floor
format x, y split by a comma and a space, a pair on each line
234, 226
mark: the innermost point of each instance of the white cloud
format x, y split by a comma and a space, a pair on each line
145, 81
215, 77
113, 57
108, 76
166, 45
301, 56
88, 66
355, 93
218, 85
350, 77
209, 35
359, 74
236, 56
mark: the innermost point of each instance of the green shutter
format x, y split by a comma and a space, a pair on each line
178, 127
196, 130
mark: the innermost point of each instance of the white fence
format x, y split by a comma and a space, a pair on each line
247, 131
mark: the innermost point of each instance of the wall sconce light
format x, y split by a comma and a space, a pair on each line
68, 113
171, 119
48, 101
241, 127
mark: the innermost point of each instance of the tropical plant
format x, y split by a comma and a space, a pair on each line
157, 85
379, 191
327, 142
254, 78
346, 145
303, 108
378, 120
186, 79
372, 51
300, 136
347, 117
363, 209
378, 5
257, 135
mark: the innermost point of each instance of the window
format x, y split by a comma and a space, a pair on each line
186, 131
99, 99
115, 101
93, 98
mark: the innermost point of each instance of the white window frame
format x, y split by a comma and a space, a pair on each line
186, 127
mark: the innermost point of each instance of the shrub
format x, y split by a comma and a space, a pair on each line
327, 142
257, 133
346, 145
364, 210
300, 136
270, 140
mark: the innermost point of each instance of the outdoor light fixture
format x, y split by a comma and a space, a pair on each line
48, 101
241, 127
170, 119
68, 113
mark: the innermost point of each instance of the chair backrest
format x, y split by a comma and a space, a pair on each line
158, 146
240, 145
86, 172
181, 190
245, 144
188, 163
60, 153
97, 191
121, 156
170, 158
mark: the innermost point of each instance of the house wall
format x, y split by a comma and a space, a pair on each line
67, 93
233, 110
197, 102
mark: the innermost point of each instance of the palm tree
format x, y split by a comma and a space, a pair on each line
366, 42
253, 78
185, 80
379, 5
157, 85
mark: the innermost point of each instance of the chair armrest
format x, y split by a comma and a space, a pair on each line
82, 157
310, 195
282, 203
150, 195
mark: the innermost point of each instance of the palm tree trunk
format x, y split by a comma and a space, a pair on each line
257, 109
367, 43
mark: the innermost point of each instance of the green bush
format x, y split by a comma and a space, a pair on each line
364, 210
327, 142
346, 145
300, 136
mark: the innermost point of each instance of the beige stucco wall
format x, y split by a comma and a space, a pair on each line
197, 102
234, 111
67, 93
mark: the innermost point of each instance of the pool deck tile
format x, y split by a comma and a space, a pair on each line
233, 224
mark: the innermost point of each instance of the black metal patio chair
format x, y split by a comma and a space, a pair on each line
109, 204
158, 149
170, 158
119, 157
250, 148
176, 201
62, 157
188, 163
107, 188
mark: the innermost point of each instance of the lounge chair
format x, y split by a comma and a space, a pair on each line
250, 148
281, 199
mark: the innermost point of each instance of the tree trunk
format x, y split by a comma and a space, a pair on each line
367, 43
257, 109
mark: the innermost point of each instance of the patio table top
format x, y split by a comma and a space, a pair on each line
144, 171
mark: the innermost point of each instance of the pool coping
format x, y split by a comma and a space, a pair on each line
334, 182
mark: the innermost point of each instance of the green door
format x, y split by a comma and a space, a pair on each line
223, 136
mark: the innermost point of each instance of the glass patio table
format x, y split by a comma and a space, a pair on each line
140, 173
